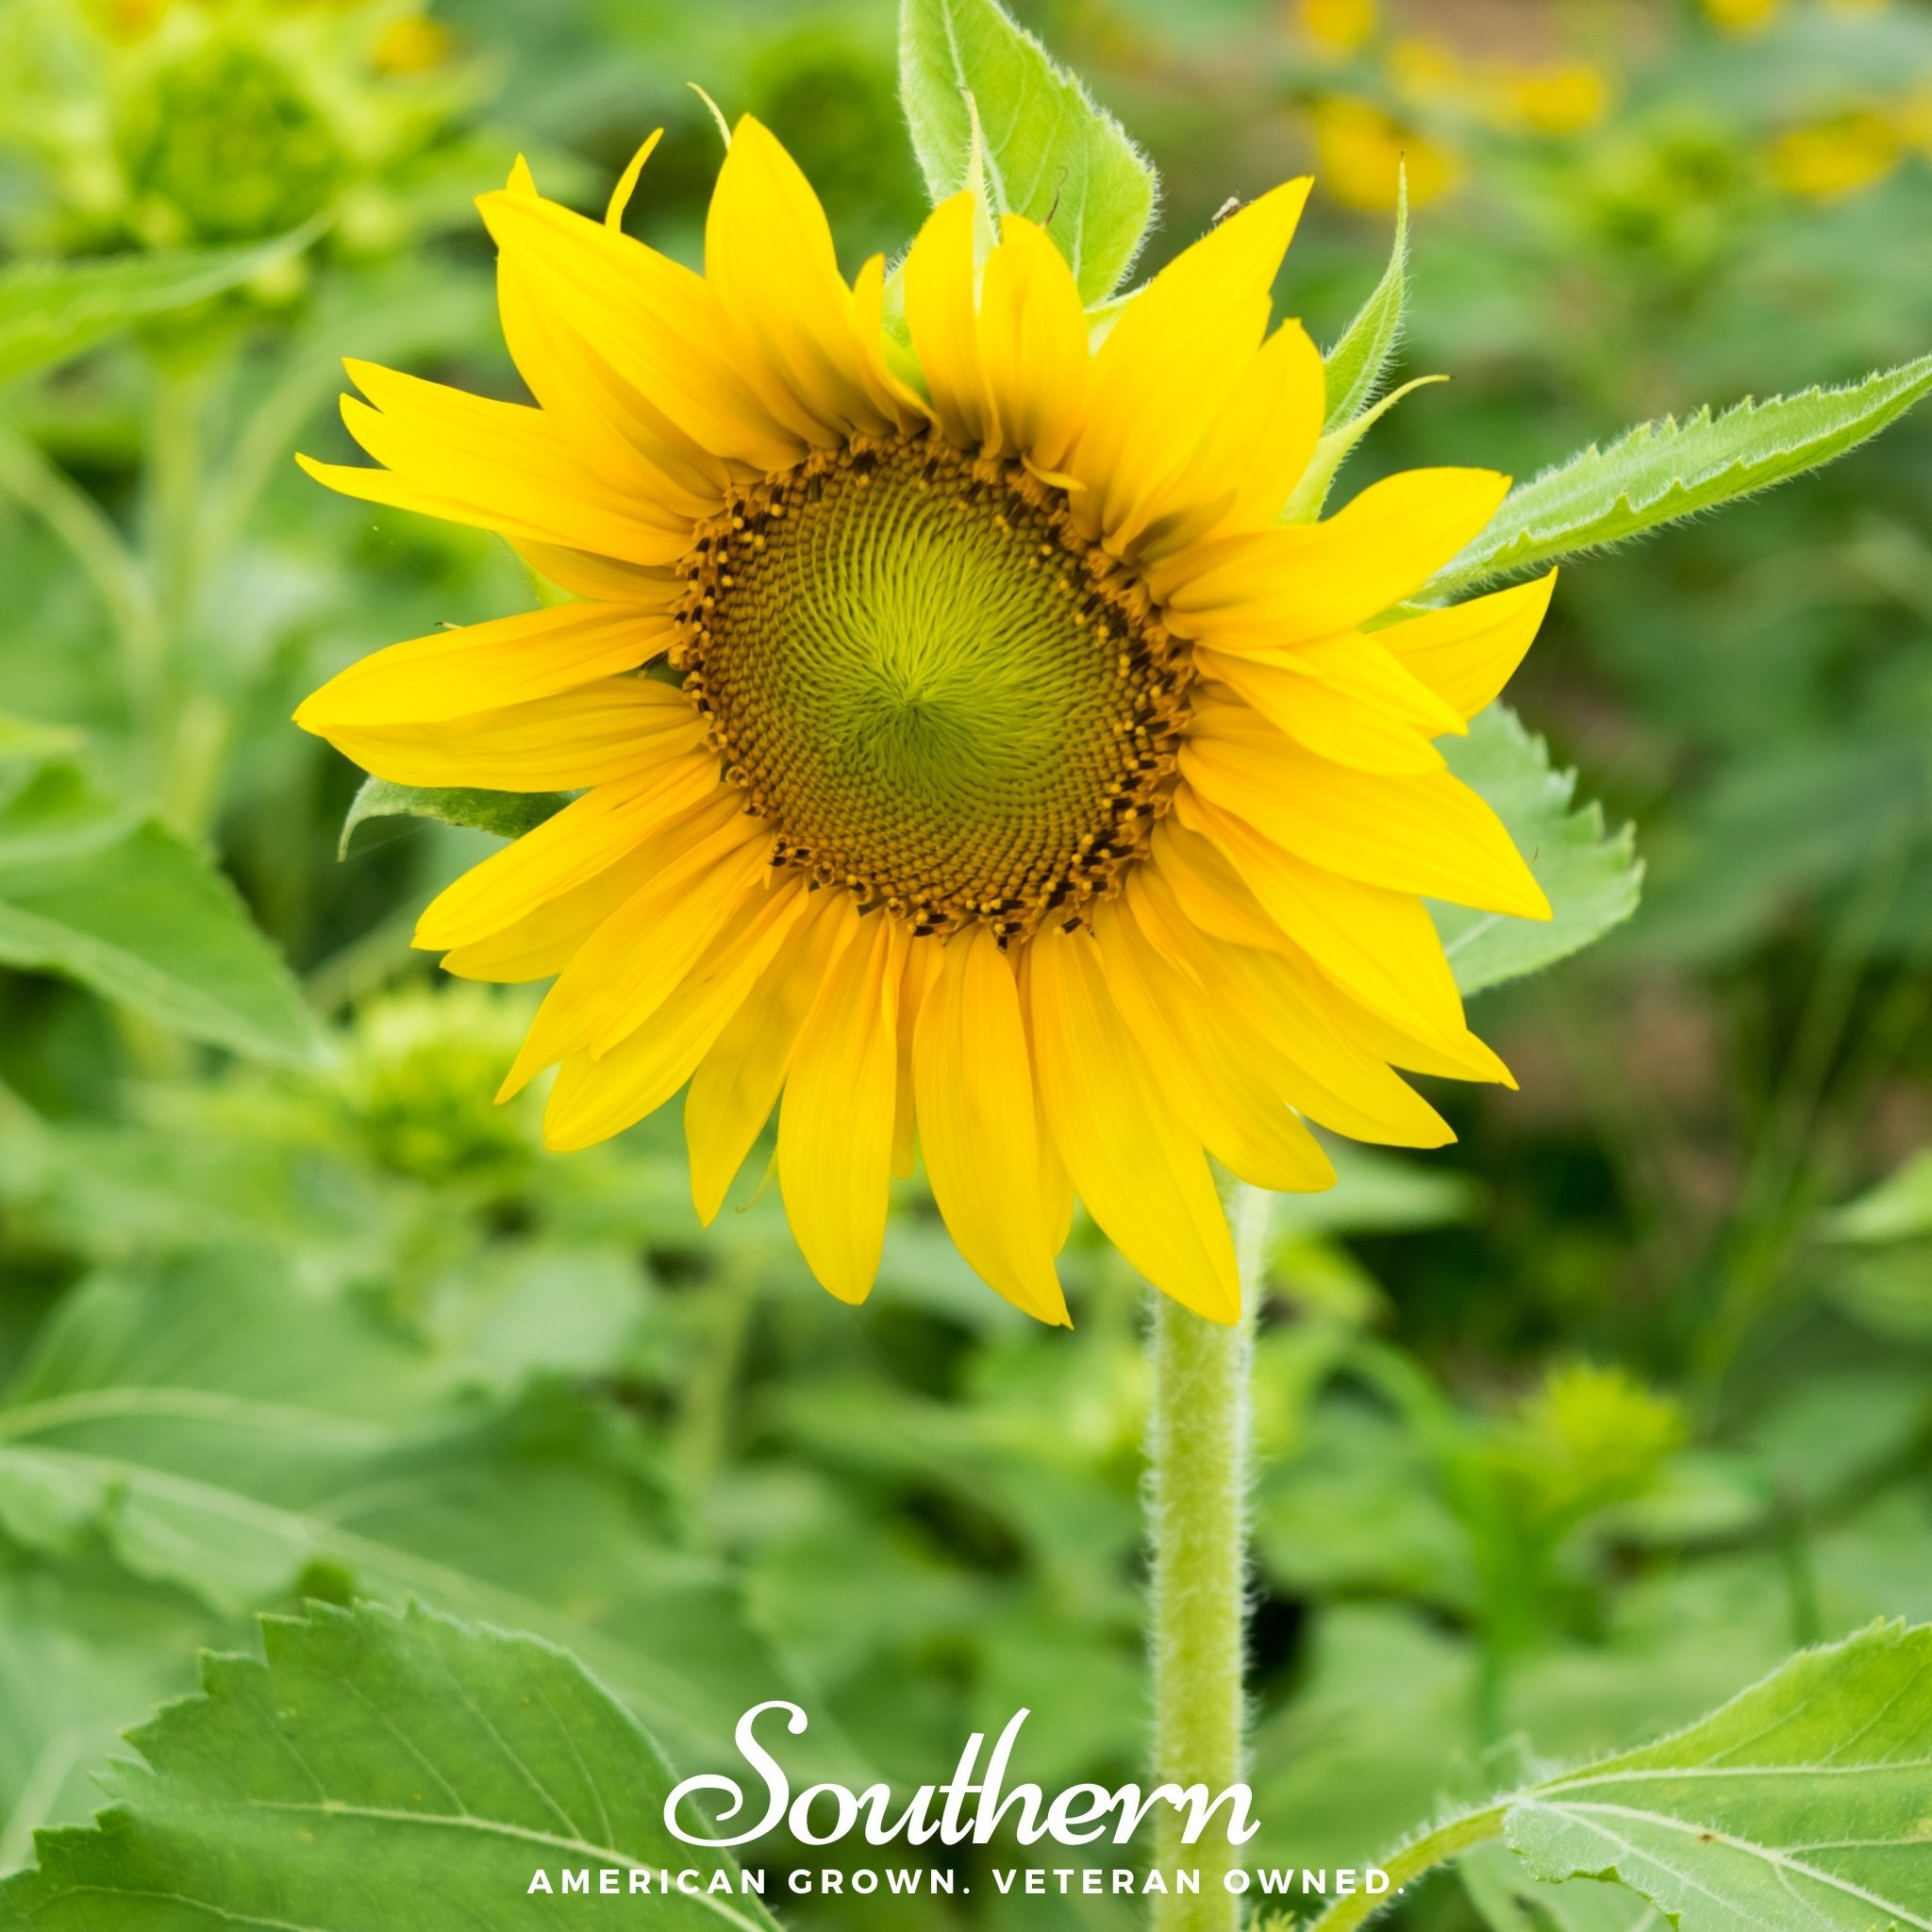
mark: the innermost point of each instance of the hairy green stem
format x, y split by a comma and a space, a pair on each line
1197, 1496
1412, 1862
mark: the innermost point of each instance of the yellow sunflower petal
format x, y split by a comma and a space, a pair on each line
603, 579
1206, 887
1429, 833
941, 315
888, 384
922, 966
738, 1083
660, 326
512, 466
601, 413
1175, 357
1310, 580
586, 838
835, 1123
974, 1081
586, 736
1211, 1081
483, 667
619, 204
1056, 1184
542, 944
1267, 436
595, 1097
1140, 1172
400, 492
699, 872
1275, 1002
1360, 669
1467, 653
670, 920
1032, 346
1314, 713
769, 255
1253, 455
1380, 945
574, 442
1280, 1003
1459, 1056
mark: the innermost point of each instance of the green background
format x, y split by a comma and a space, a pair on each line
1567, 1432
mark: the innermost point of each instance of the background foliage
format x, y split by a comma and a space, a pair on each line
1567, 1433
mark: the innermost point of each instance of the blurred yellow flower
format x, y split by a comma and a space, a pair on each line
1425, 71
124, 21
1362, 151
1831, 160
1021, 783
1914, 118
1742, 16
1339, 27
1551, 100
412, 45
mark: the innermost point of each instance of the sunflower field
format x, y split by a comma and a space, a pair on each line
414, 1463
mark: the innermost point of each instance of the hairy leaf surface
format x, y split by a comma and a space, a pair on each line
1592, 877
1660, 471
379, 1769
132, 910
1047, 150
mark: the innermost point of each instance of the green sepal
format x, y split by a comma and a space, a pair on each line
1358, 364
508, 814
1333, 450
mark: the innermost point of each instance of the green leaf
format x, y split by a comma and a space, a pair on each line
509, 814
130, 909
1898, 1208
29, 739
1660, 471
51, 310
374, 1769
1357, 363
1510, 1900
214, 1425
83, 1654
1356, 1511
1801, 1805
1049, 151
1592, 877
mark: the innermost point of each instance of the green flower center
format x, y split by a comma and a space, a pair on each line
941, 696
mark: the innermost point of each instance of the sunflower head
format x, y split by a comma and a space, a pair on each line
971, 765
974, 715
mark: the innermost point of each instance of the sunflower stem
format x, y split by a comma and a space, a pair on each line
1198, 1503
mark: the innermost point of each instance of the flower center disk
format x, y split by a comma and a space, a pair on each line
936, 691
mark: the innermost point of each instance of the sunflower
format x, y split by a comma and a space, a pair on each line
968, 759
